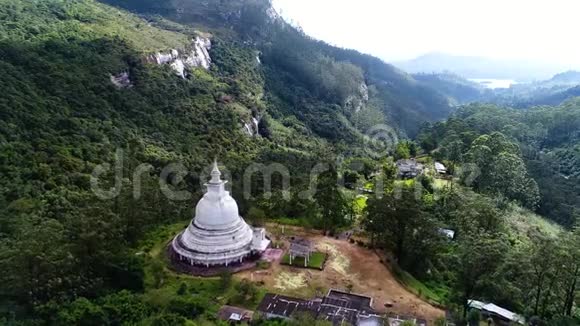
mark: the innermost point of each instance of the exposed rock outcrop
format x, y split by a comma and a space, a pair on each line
273, 15
121, 80
247, 128
252, 127
197, 55
357, 101
200, 57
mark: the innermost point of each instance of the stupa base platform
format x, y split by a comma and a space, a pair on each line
185, 267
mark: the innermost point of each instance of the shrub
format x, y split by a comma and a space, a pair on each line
246, 292
187, 308
440, 322
225, 280
168, 320
474, 317
81, 312
182, 289
125, 307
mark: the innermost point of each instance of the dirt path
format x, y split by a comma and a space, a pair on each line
349, 266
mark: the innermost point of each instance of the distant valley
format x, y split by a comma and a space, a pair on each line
462, 89
464, 79
483, 68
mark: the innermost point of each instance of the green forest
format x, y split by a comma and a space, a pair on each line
538, 147
70, 258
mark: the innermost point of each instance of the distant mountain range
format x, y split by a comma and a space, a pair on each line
459, 90
570, 77
482, 68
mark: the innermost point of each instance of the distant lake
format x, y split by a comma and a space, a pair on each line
494, 83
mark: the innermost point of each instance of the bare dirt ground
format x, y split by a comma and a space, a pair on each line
348, 267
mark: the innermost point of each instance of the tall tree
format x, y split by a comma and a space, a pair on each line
331, 202
401, 224
501, 169
570, 272
543, 253
478, 259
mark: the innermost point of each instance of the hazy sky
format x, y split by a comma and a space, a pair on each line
537, 30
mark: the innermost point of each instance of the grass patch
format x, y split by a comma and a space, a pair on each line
407, 182
92, 20
521, 221
360, 203
417, 287
289, 221
316, 261
262, 264
280, 230
441, 183
369, 185
425, 159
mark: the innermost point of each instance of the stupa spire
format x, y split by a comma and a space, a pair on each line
215, 173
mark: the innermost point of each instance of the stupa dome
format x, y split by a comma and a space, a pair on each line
218, 235
217, 209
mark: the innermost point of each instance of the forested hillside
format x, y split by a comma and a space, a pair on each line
458, 89
540, 145
83, 83
511, 158
327, 74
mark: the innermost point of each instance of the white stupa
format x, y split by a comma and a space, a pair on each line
218, 235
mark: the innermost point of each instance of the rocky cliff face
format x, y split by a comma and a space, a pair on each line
252, 127
183, 60
357, 101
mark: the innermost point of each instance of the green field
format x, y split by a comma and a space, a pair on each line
316, 261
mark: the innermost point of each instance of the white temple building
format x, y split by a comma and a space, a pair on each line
218, 235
